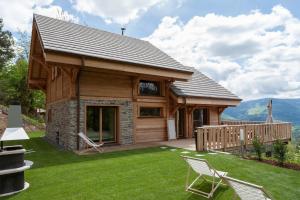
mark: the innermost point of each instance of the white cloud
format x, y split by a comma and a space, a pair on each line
121, 12
254, 55
17, 14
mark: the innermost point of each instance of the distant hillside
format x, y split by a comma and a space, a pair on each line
256, 110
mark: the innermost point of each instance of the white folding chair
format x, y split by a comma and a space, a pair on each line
91, 143
202, 168
245, 190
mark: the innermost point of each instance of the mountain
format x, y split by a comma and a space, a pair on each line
287, 110
256, 110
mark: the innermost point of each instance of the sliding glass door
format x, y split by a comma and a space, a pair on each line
200, 117
92, 123
101, 123
108, 124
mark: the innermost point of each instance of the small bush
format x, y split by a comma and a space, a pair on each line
258, 147
280, 150
291, 152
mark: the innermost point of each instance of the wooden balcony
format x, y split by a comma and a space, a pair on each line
226, 137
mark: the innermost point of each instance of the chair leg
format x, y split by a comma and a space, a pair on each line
212, 187
187, 178
99, 149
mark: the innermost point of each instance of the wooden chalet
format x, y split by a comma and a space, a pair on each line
116, 89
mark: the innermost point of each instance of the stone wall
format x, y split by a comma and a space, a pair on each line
62, 129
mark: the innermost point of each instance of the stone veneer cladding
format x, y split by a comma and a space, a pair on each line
64, 121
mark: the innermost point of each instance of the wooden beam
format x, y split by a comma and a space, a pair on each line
135, 85
118, 66
65, 70
177, 106
220, 110
74, 74
211, 101
37, 81
39, 59
32, 44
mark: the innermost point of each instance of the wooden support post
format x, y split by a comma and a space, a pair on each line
225, 138
200, 141
205, 140
134, 83
167, 92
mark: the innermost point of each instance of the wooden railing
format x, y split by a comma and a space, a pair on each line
239, 122
224, 137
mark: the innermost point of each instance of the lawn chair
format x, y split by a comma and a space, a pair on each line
245, 190
202, 168
91, 143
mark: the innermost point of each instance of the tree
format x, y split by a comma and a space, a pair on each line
23, 45
14, 88
6, 46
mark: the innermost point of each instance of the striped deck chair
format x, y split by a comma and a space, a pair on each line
91, 143
245, 190
203, 169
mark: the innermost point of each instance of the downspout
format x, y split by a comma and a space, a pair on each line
186, 116
78, 102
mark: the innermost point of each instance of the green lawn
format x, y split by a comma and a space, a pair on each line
152, 173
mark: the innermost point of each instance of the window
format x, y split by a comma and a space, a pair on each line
149, 88
150, 112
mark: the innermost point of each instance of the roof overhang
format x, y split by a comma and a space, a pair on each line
37, 70
70, 59
207, 101
40, 57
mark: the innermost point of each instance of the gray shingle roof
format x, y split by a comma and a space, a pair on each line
201, 86
58, 35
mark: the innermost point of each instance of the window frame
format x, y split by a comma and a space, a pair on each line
158, 83
161, 113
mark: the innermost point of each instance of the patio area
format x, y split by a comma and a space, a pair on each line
187, 144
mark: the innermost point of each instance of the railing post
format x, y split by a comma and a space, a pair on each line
225, 138
245, 136
205, 139
199, 144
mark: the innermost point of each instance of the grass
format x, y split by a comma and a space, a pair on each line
152, 173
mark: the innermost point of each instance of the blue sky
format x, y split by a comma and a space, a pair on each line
250, 47
185, 10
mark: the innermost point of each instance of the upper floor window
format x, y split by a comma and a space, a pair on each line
149, 88
150, 112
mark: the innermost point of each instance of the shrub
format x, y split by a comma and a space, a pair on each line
258, 147
291, 152
280, 150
